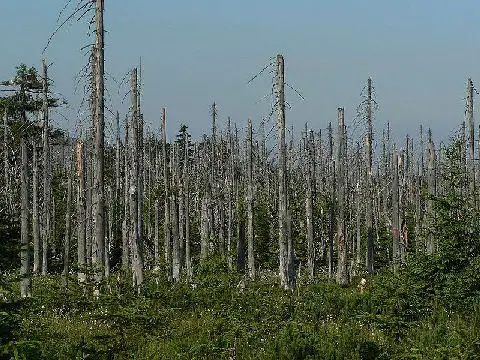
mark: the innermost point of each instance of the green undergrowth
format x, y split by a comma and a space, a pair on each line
221, 315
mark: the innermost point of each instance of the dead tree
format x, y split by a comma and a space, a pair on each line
68, 216
369, 187
251, 255
126, 230
286, 269
81, 221
47, 181
342, 273
310, 179
395, 214
431, 189
24, 252
137, 262
332, 175
166, 224
35, 214
471, 141
98, 247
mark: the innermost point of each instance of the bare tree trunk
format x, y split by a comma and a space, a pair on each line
89, 203
36, 223
137, 262
126, 206
186, 180
231, 180
47, 182
155, 239
212, 188
98, 186
368, 194
342, 274
286, 259
174, 215
81, 221
395, 215
118, 198
332, 204
166, 224
68, 216
109, 225
140, 179
431, 189
310, 177
251, 255
24, 252
204, 233
471, 139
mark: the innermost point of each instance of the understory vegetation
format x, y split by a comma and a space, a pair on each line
401, 316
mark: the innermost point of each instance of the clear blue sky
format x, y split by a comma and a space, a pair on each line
418, 52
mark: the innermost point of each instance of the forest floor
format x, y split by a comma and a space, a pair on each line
224, 316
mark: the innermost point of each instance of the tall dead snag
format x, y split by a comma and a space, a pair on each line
137, 263
98, 244
286, 269
24, 252
47, 180
155, 237
231, 179
35, 214
471, 141
166, 224
239, 211
342, 273
310, 177
369, 187
212, 183
357, 194
81, 221
251, 255
395, 214
186, 181
126, 204
140, 175
431, 189
66, 253
118, 198
174, 214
